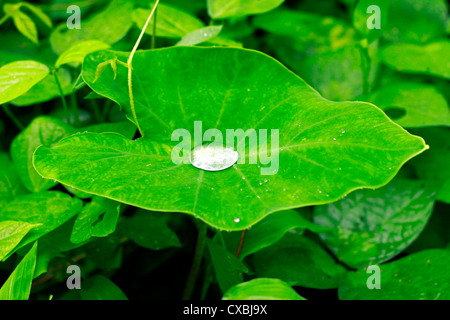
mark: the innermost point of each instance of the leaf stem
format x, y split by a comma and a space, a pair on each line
61, 93
13, 117
241, 243
130, 66
365, 67
5, 17
154, 30
198, 255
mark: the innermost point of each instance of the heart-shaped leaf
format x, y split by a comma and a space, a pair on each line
373, 226
325, 149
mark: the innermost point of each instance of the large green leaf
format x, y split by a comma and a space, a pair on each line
23, 22
10, 184
262, 289
50, 209
417, 105
42, 130
109, 26
421, 276
427, 59
18, 77
170, 22
326, 149
269, 230
11, 233
375, 225
300, 262
220, 9
18, 285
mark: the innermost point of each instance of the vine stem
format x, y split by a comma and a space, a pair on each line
130, 66
13, 117
61, 93
196, 262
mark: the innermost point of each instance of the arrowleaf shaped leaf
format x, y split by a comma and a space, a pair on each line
262, 289
326, 149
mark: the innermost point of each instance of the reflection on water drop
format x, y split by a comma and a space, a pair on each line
236, 220
213, 158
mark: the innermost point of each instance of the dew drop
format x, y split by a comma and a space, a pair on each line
390, 168
284, 189
148, 165
236, 220
265, 180
343, 131
205, 34
260, 183
340, 168
334, 139
213, 158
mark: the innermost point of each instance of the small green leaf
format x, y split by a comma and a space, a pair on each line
427, 59
433, 165
170, 22
97, 219
300, 262
199, 36
420, 105
101, 288
18, 77
46, 89
375, 225
108, 26
38, 12
11, 233
10, 184
221, 9
75, 54
18, 285
228, 269
42, 130
149, 230
50, 209
420, 276
429, 20
25, 26
262, 289
269, 230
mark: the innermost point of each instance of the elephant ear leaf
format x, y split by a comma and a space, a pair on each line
319, 150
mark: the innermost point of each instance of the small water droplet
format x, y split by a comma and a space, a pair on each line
243, 178
328, 195
258, 197
340, 168
236, 220
260, 183
148, 165
284, 189
265, 180
205, 34
390, 168
320, 191
212, 188
334, 138
343, 131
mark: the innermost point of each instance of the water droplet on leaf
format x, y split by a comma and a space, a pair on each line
213, 158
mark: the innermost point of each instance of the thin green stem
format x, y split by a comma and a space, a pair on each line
61, 93
130, 66
365, 68
154, 29
5, 17
195, 268
75, 110
13, 117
